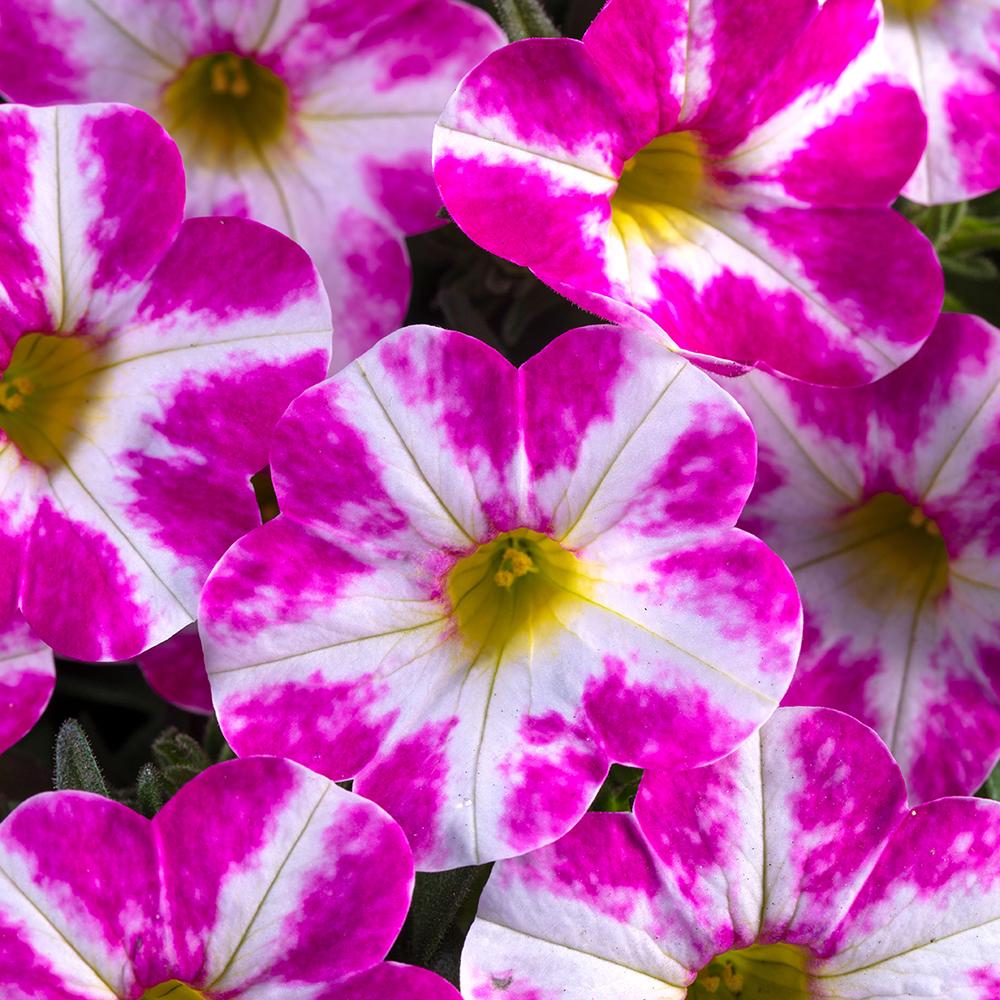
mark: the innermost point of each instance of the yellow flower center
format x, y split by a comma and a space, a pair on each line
50, 379
658, 188
516, 586
911, 8
173, 990
224, 109
760, 972
900, 551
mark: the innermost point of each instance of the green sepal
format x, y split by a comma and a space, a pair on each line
76, 766
179, 758
524, 19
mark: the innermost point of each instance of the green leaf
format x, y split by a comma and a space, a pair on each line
524, 19
179, 758
76, 766
619, 789
991, 789
150, 791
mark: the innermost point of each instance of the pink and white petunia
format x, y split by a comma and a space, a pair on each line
790, 870
312, 116
488, 583
175, 670
259, 880
885, 503
143, 364
950, 51
720, 171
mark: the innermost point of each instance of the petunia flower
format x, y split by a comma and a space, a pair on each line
487, 583
259, 880
143, 364
950, 50
885, 503
175, 670
718, 170
312, 116
790, 870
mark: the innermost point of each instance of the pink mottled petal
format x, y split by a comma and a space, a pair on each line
175, 670
27, 678
940, 854
630, 404
121, 197
584, 917
69, 929
705, 637
267, 870
56, 51
950, 55
390, 981
925, 674
152, 494
812, 775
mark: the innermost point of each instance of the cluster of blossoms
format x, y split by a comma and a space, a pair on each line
771, 478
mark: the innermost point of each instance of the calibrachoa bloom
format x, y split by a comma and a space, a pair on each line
950, 50
885, 502
259, 879
27, 677
487, 583
313, 116
175, 670
143, 364
789, 870
723, 167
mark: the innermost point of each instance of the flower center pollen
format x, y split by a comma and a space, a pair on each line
47, 384
760, 972
899, 551
172, 990
658, 188
514, 587
224, 109
911, 8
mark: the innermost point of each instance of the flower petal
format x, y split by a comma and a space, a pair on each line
27, 678
175, 670
267, 871
65, 930
389, 981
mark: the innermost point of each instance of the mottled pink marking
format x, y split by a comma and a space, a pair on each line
739, 583
957, 737
409, 783
835, 677
389, 981
175, 670
504, 986
858, 261
36, 977
23, 697
351, 910
974, 129
667, 722
406, 190
333, 729
725, 319
472, 388
218, 826
140, 188
690, 819
76, 593
874, 131
39, 38
198, 500
268, 273
552, 775
568, 387
280, 573
120, 876
704, 478
22, 275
